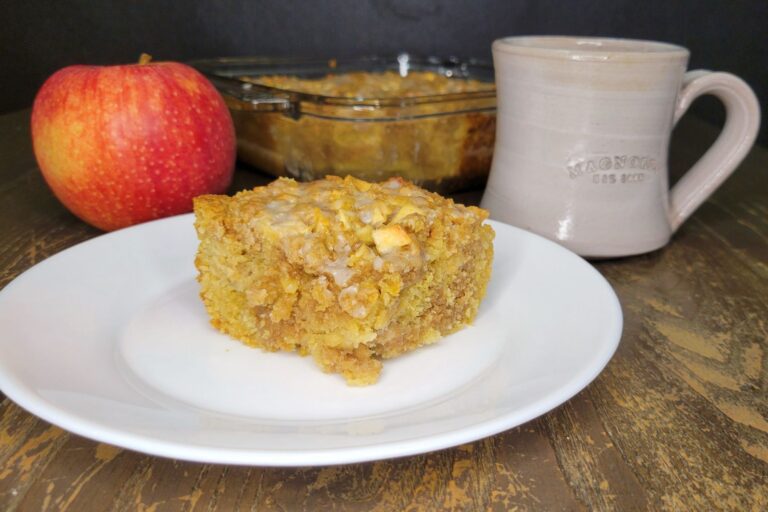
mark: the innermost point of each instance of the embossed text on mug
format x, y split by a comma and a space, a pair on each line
612, 169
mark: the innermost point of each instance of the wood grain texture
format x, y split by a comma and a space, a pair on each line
677, 421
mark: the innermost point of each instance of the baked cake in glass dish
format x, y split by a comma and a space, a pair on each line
349, 272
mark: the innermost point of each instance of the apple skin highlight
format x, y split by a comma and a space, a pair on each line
120, 145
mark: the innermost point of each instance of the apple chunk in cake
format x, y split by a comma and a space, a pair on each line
346, 271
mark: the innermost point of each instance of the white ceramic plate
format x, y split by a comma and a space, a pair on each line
108, 339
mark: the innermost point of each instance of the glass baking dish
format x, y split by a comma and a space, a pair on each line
441, 141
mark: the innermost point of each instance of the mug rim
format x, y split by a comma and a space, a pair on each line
586, 48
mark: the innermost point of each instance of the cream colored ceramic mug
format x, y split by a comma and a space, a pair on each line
583, 127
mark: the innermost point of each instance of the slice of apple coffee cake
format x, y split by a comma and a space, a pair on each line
347, 271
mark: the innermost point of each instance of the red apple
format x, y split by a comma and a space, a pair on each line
119, 145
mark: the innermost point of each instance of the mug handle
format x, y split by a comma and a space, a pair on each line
741, 124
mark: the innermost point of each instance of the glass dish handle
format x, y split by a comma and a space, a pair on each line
246, 98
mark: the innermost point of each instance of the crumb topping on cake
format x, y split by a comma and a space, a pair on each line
372, 227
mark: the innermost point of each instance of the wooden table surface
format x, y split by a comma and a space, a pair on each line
678, 420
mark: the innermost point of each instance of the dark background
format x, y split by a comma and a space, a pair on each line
38, 37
